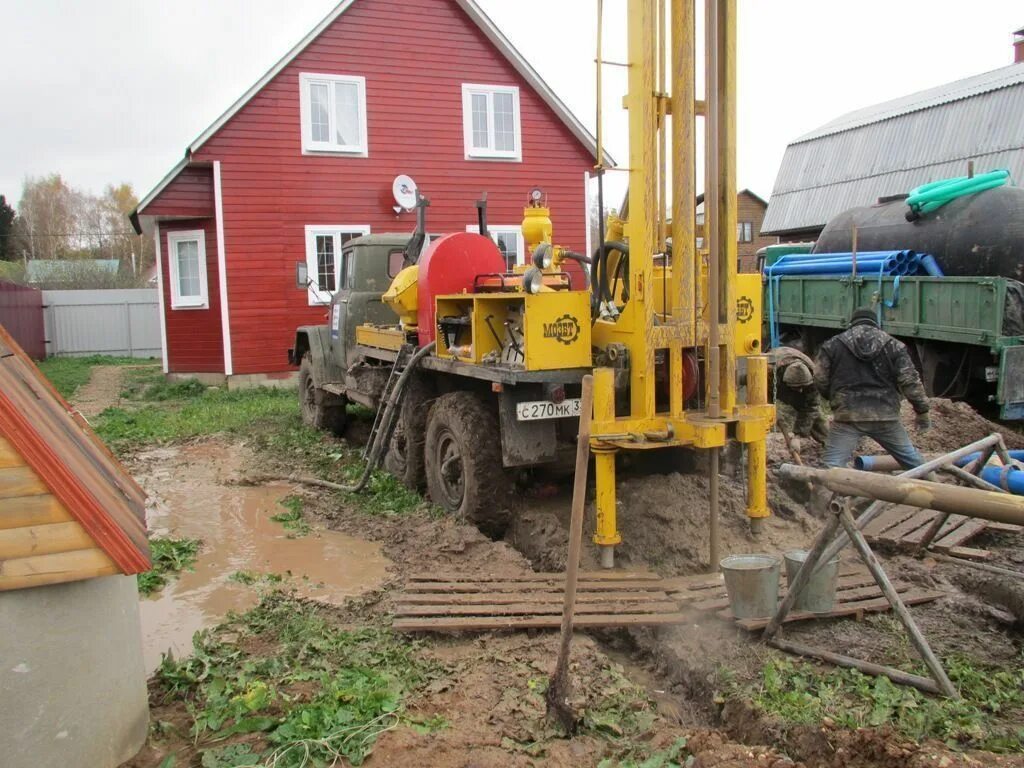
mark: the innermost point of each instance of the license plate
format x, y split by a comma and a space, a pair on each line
545, 409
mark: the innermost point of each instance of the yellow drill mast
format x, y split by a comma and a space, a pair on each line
690, 306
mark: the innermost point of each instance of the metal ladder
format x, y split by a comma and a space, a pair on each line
401, 361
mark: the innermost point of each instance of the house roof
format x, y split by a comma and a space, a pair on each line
67, 456
892, 147
481, 19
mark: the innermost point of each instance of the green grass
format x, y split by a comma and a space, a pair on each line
283, 685
211, 412
69, 373
292, 518
169, 556
987, 716
675, 756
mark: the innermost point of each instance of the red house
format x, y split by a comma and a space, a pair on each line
305, 160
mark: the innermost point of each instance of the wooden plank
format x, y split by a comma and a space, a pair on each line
894, 515
540, 586
952, 523
1004, 527
51, 569
970, 553
850, 609
960, 535
481, 598
43, 540
32, 510
9, 457
897, 532
485, 623
533, 609
20, 481
530, 576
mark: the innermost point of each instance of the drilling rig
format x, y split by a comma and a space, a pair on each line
661, 325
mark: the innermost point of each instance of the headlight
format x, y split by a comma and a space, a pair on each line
542, 256
533, 280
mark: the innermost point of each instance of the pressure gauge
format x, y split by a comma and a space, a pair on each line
536, 195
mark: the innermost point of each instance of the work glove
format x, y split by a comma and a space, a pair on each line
923, 422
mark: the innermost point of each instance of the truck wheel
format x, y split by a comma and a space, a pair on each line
320, 410
404, 458
465, 475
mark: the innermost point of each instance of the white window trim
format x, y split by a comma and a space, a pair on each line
475, 153
310, 147
317, 297
495, 229
202, 301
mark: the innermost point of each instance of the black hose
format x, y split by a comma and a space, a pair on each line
383, 436
599, 273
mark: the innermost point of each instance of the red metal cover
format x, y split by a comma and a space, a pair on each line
449, 265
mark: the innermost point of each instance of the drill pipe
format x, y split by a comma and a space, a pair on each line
987, 505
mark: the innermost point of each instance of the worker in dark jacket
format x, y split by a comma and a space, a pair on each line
863, 372
796, 397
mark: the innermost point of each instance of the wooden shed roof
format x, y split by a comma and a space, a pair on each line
58, 445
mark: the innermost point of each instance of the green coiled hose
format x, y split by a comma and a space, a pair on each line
930, 197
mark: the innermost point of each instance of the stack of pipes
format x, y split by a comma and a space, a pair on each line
885, 263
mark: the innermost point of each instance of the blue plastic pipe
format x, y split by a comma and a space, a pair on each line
886, 267
1016, 455
930, 265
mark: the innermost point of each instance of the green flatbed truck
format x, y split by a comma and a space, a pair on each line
965, 333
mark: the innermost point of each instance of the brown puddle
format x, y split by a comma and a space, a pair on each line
189, 499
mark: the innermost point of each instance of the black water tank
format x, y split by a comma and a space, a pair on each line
972, 236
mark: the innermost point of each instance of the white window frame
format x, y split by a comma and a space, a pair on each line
310, 147
202, 301
495, 229
315, 295
490, 153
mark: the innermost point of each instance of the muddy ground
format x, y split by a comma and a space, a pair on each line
682, 680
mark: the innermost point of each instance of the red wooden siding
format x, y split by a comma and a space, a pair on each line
194, 343
190, 194
21, 313
415, 56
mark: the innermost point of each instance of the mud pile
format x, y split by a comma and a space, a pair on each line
664, 523
955, 424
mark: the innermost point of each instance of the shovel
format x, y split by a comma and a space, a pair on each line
557, 696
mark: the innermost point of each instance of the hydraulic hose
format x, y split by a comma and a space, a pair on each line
383, 435
599, 273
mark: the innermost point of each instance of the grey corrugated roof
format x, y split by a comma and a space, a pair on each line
895, 146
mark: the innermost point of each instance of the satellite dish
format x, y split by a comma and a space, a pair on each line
404, 190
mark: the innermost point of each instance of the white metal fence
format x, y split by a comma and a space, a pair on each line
125, 323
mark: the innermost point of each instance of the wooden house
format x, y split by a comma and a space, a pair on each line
305, 160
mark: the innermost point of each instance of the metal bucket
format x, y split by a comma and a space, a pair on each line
819, 596
752, 582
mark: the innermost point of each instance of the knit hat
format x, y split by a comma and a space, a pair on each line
864, 316
797, 376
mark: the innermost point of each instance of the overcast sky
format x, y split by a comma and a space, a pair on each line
108, 91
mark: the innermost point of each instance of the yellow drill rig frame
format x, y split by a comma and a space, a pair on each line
698, 305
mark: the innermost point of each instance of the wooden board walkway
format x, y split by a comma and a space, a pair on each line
904, 527
450, 602
857, 594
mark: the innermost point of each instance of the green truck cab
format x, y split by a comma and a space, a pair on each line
332, 372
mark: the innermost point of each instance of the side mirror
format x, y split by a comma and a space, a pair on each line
301, 275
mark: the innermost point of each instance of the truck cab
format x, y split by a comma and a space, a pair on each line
331, 372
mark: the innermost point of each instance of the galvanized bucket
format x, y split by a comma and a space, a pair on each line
819, 596
752, 582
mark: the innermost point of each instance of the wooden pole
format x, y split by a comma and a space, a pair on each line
558, 689
918, 639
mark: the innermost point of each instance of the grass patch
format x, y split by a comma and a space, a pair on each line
211, 412
987, 716
292, 519
283, 685
67, 374
675, 756
169, 556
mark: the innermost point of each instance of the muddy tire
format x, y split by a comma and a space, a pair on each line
320, 409
465, 475
405, 458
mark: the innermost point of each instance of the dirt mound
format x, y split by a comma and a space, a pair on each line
955, 424
664, 523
